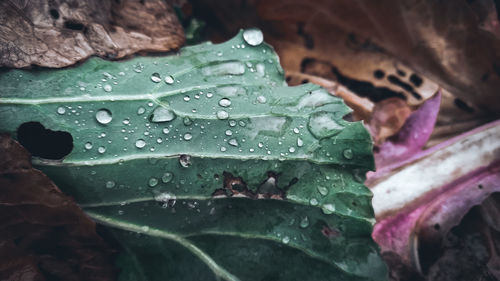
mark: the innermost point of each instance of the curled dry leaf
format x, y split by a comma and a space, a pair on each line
418, 217
60, 33
43, 233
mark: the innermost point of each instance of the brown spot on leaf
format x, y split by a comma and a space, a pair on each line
330, 232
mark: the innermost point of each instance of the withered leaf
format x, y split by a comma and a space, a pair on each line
43, 233
61, 32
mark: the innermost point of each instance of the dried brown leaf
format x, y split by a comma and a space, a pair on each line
61, 32
43, 233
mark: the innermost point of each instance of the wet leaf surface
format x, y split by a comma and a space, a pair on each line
206, 165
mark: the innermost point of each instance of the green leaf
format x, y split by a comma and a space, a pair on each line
206, 166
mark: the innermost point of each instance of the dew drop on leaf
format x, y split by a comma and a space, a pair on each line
222, 115
347, 153
110, 184
322, 190
285, 240
291, 149
107, 88
167, 177
233, 142
188, 136
313, 201
300, 142
229, 132
153, 182
328, 209
224, 102
169, 79
322, 125
253, 36
261, 99
162, 114
141, 110
140, 143
88, 145
103, 116
304, 222
101, 149
155, 77
61, 110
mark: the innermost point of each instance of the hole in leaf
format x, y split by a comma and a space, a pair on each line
54, 13
44, 143
73, 25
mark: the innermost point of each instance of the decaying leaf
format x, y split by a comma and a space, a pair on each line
61, 32
416, 219
206, 165
44, 235
311, 39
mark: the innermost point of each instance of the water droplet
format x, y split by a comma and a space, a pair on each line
138, 67
253, 36
223, 149
107, 88
187, 121
167, 177
166, 131
155, 77
185, 160
304, 222
242, 123
285, 240
300, 142
322, 125
322, 190
101, 149
126, 121
224, 68
296, 130
188, 136
162, 114
187, 98
145, 228
233, 142
169, 79
61, 110
88, 145
229, 133
232, 123
313, 202
166, 198
153, 182
347, 153
291, 149
103, 116
328, 209
261, 99
110, 184
260, 69
224, 102
140, 143
260, 144
209, 95
141, 110
222, 115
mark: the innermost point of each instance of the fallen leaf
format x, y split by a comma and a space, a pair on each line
62, 32
44, 235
